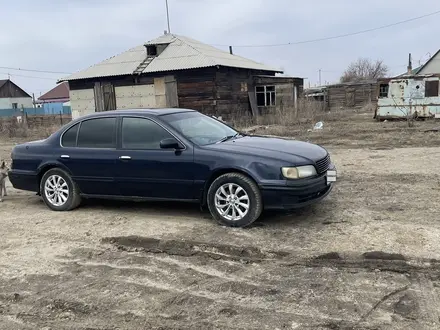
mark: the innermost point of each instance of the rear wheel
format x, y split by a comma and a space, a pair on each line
58, 190
234, 200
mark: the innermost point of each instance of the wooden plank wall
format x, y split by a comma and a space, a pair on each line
284, 91
351, 96
172, 98
195, 90
216, 91
232, 87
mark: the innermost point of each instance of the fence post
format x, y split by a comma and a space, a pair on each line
61, 118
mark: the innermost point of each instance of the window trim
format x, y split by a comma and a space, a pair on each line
79, 129
119, 119
65, 131
152, 120
265, 96
380, 90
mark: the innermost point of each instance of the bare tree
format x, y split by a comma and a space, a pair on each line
364, 69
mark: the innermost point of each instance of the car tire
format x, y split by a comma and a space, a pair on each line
228, 190
68, 192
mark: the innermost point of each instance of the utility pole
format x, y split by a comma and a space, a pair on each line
168, 16
319, 77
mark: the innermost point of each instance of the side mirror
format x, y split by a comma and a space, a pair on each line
170, 143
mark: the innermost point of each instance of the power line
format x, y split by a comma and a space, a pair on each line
32, 70
19, 75
338, 36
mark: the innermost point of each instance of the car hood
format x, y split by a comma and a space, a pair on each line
273, 147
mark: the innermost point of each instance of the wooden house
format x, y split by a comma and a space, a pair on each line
13, 97
56, 100
177, 71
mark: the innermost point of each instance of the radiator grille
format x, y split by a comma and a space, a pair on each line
323, 164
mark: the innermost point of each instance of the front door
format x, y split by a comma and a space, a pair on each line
89, 153
145, 170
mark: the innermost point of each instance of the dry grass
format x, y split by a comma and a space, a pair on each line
13, 129
308, 112
353, 129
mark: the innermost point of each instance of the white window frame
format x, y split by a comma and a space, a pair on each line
272, 96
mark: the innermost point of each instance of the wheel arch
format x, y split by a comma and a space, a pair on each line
219, 172
43, 168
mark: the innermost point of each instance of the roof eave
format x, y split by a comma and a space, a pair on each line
146, 73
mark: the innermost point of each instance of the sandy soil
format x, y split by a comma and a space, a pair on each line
367, 257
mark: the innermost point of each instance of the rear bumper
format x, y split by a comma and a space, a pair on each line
291, 194
24, 180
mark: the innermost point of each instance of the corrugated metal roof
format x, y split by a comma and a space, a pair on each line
180, 54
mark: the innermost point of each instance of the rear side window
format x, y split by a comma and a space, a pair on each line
97, 133
69, 137
140, 133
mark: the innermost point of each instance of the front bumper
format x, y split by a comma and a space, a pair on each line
295, 194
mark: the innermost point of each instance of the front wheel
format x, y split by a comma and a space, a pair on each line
234, 200
59, 191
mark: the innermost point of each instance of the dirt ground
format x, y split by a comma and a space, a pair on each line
367, 257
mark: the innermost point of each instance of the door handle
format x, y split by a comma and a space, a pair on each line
65, 156
124, 157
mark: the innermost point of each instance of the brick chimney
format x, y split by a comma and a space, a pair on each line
409, 64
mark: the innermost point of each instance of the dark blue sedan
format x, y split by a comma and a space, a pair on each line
172, 155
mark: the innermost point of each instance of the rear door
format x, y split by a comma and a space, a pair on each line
146, 170
89, 152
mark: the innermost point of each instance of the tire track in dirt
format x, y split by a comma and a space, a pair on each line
97, 288
373, 260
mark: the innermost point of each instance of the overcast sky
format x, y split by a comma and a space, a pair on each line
67, 35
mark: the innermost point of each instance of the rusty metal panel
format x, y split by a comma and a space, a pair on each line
406, 97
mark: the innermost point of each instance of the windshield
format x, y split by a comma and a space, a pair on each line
198, 128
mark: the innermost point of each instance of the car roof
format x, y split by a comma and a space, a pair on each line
138, 112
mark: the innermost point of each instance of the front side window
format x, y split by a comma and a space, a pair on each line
198, 128
141, 133
97, 133
69, 137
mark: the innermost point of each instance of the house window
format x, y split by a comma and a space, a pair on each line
383, 90
14, 105
152, 50
431, 88
265, 96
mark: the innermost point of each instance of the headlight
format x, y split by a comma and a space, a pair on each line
298, 172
